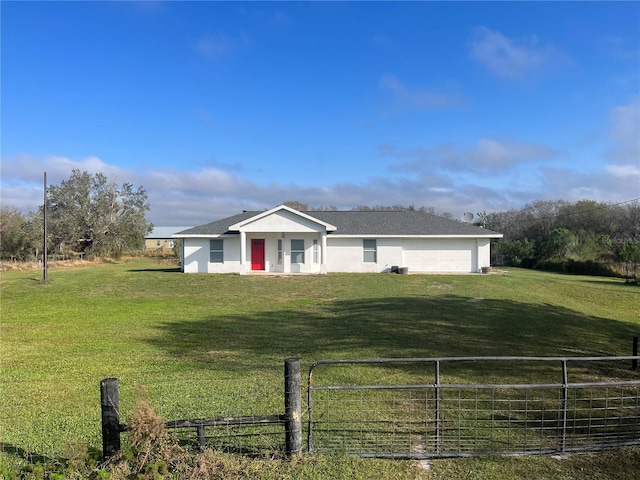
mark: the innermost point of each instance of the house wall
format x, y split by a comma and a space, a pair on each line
195, 258
484, 252
271, 252
419, 255
196, 254
309, 265
344, 254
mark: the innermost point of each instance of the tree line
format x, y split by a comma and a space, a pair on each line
86, 215
585, 237
304, 207
89, 215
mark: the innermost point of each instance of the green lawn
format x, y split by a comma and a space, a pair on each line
213, 345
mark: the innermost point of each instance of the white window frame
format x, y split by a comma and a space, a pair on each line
316, 251
297, 253
369, 250
279, 251
218, 251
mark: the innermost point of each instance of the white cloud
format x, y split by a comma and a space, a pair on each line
624, 171
495, 154
608, 185
508, 58
179, 197
488, 155
22, 177
419, 98
31, 169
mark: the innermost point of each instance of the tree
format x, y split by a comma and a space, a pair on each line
628, 254
514, 252
542, 216
91, 215
556, 245
628, 225
301, 207
16, 237
587, 215
400, 208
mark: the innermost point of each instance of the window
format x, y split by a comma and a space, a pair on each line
216, 251
370, 251
157, 243
297, 251
279, 252
315, 251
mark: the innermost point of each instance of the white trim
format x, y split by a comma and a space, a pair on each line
337, 235
208, 235
239, 225
372, 235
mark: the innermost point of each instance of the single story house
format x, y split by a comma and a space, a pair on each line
284, 240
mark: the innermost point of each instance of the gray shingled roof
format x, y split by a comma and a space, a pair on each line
219, 226
409, 222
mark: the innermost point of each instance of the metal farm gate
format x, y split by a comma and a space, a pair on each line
428, 407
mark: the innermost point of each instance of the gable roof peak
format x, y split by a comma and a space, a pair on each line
266, 213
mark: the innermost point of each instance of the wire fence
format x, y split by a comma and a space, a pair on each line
405, 408
451, 418
244, 396
40, 423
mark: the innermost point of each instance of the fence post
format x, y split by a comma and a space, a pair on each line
292, 407
565, 399
634, 352
110, 410
437, 405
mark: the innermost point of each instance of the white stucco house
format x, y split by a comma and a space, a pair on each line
284, 240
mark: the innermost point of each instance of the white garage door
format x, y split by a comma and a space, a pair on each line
439, 256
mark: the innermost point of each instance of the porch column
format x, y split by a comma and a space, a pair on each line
323, 254
243, 253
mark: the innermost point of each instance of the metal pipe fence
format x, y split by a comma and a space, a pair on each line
453, 415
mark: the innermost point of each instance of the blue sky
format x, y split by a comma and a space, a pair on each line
218, 107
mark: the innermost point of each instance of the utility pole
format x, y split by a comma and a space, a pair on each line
44, 249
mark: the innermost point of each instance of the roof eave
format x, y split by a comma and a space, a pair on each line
375, 235
206, 235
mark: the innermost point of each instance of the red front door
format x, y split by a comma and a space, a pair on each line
257, 254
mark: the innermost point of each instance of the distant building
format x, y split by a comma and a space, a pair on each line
161, 239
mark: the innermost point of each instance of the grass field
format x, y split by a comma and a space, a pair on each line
213, 345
